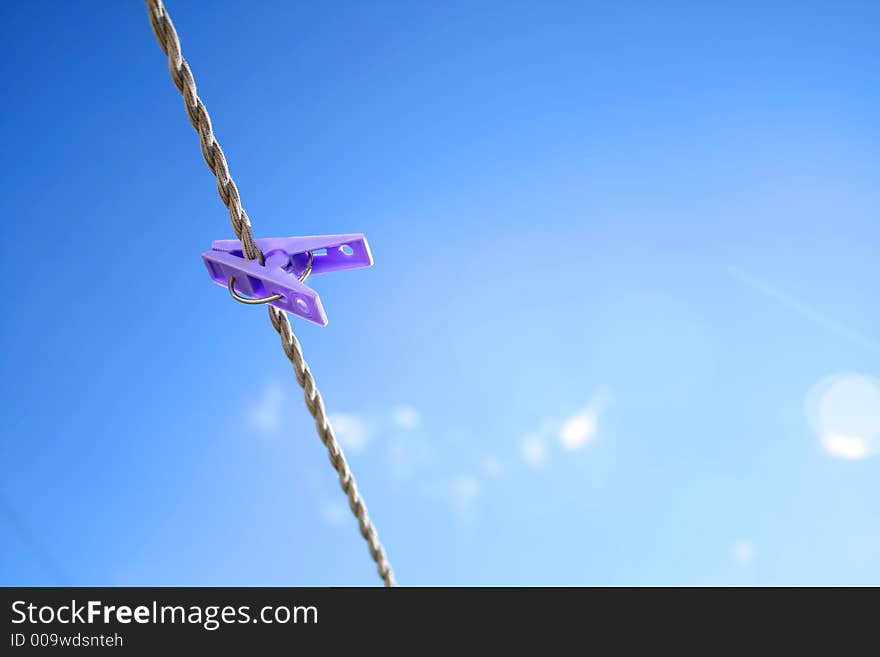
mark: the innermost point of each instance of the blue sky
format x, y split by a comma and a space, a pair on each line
622, 327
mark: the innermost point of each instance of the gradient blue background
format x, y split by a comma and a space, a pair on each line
671, 205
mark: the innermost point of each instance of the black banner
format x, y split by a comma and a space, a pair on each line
245, 620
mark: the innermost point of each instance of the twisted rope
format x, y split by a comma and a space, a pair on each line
182, 77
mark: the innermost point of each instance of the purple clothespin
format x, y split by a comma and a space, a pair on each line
280, 282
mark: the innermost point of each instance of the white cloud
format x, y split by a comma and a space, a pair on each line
406, 417
580, 429
406, 455
533, 450
333, 513
464, 491
743, 551
265, 414
352, 432
853, 448
460, 493
492, 467
844, 412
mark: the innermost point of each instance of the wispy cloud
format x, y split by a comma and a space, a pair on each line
806, 311
743, 552
533, 450
844, 412
580, 429
407, 455
333, 513
464, 491
265, 413
492, 468
406, 417
352, 431
575, 432
853, 448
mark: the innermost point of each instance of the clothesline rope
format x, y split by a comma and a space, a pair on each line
182, 77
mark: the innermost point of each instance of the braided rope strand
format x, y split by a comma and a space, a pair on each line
315, 404
182, 77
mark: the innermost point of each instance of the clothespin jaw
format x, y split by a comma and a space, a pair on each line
280, 281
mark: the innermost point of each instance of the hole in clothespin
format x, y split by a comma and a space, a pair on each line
319, 252
346, 249
256, 286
